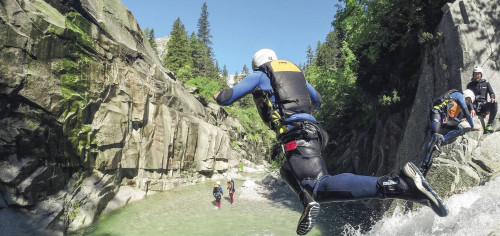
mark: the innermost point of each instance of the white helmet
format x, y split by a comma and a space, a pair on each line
218, 182
478, 69
262, 56
469, 94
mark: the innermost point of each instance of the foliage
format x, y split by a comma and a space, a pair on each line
373, 27
150, 35
207, 87
242, 110
327, 53
179, 54
389, 100
337, 85
224, 73
204, 29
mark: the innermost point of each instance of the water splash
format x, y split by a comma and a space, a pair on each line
475, 212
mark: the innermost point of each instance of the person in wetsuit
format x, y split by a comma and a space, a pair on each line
445, 122
217, 192
230, 188
286, 101
482, 89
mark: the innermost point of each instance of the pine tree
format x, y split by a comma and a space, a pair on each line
217, 68
207, 66
309, 56
204, 29
150, 35
179, 54
196, 48
327, 53
237, 78
224, 73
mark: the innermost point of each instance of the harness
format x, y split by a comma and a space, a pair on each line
447, 106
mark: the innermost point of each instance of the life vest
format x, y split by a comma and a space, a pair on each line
447, 106
454, 110
216, 189
443, 100
291, 95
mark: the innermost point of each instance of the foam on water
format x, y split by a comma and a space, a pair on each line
475, 212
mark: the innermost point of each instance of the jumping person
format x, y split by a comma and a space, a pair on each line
286, 101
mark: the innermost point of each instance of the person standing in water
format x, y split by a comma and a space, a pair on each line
230, 188
217, 192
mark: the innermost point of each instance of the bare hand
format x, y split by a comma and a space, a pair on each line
473, 112
476, 127
493, 100
216, 95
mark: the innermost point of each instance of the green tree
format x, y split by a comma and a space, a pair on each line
237, 77
224, 73
309, 56
150, 35
206, 65
337, 85
197, 53
179, 54
327, 53
204, 29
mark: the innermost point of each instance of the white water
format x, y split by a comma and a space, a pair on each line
475, 212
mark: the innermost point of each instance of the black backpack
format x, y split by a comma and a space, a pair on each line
289, 87
443, 100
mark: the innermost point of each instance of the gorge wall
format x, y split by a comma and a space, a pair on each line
85, 106
467, 35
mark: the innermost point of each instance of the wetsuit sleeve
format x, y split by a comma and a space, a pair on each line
461, 102
490, 91
246, 86
315, 96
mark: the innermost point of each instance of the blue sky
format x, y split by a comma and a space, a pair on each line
240, 28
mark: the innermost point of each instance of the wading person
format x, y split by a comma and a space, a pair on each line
230, 188
286, 101
217, 192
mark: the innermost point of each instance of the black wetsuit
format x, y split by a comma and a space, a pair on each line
303, 141
482, 89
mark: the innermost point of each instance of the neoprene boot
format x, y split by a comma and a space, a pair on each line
411, 185
311, 207
308, 217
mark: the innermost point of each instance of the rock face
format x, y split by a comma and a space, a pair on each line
468, 35
86, 104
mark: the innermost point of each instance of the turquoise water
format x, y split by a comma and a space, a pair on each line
192, 211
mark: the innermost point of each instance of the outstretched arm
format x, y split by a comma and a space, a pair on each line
246, 86
461, 102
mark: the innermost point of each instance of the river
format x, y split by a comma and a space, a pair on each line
275, 211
